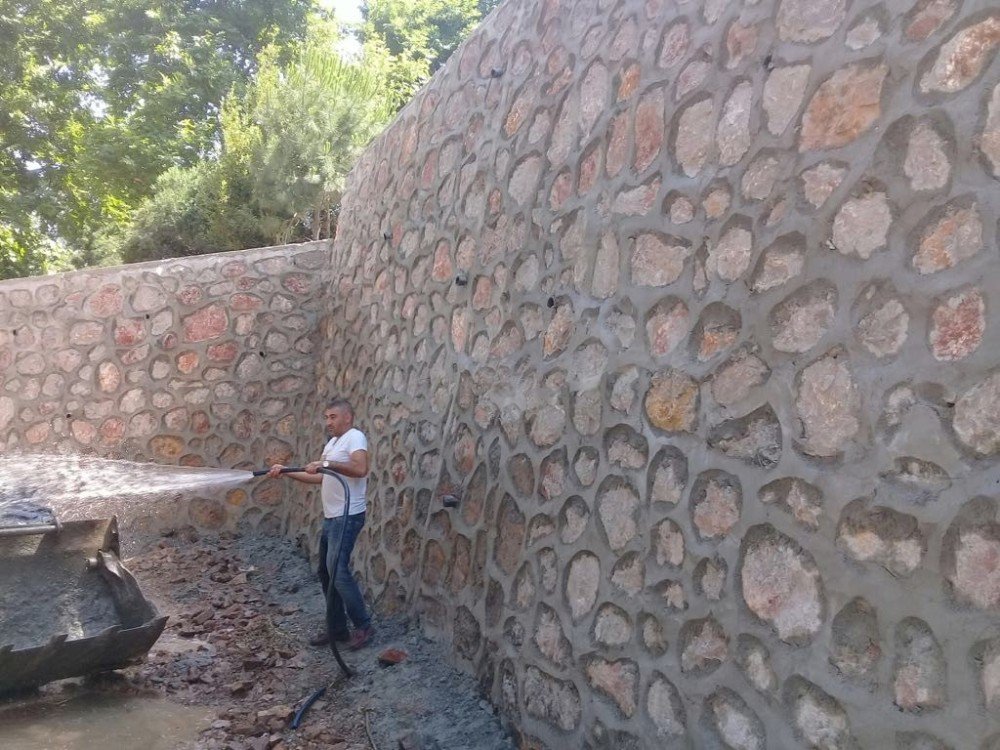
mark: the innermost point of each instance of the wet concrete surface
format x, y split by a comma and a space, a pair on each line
234, 663
88, 719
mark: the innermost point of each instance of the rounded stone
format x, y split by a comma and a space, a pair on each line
987, 654
819, 182
667, 477
955, 236
817, 716
716, 504
881, 535
989, 139
736, 378
963, 57
668, 543
653, 638
629, 573
626, 448
883, 331
509, 536
783, 94
583, 577
666, 326
710, 578
595, 89
845, 106
617, 680
617, 509
207, 323
759, 179
547, 425
976, 418
730, 257
802, 500
665, 708
106, 301
573, 519
704, 646
649, 129
957, 325
861, 226
855, 648
754, 660
612, 626
926, 164
733, 133
671, 402
863, 33
919, 677
550, 637
924, 19
658, 260
809, 20
754, 438
970, 556
734, 721
552, 700
693, 141
781, 584
799, 322
828, 406
717, 329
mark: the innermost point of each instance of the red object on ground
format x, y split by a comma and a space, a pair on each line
392, 656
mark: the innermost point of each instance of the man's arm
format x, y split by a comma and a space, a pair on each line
301, 476
355, 467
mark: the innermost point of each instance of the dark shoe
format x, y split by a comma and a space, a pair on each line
322, 638
361, 637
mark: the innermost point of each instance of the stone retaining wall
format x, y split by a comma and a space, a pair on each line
673, 327
205, 361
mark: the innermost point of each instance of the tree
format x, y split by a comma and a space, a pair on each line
287, 143
99, 97
304, 125
193, 211
114, 136
24, 251
415, 37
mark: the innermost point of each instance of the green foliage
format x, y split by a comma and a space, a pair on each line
99, 97
302, 126
147, 128
288, 142
28, 252
413, 38
194, 210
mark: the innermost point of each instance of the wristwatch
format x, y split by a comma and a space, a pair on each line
326, 464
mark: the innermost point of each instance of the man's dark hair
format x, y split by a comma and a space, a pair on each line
340, 403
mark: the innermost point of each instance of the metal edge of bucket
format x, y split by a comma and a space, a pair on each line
61, 657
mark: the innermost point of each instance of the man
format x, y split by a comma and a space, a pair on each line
347, 454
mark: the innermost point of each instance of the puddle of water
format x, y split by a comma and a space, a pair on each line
91, 721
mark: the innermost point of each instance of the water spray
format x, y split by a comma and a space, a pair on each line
317, 694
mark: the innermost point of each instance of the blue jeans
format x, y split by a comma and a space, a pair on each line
344, 598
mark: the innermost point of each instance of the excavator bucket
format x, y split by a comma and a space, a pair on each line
68, 607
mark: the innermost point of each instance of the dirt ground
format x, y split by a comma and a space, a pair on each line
241, 612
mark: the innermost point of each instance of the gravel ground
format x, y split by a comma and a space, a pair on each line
241, 612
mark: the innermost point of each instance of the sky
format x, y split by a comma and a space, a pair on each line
348, 11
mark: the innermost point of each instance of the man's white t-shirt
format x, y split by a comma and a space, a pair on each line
339, 450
